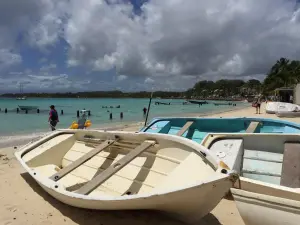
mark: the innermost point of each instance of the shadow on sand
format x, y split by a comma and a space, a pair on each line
98, 217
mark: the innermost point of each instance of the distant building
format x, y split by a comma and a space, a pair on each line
286, 94
296, 97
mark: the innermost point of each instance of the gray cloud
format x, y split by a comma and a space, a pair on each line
222, 38
171, 41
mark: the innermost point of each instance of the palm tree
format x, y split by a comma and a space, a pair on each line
280, 65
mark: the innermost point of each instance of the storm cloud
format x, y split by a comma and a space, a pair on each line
176, 40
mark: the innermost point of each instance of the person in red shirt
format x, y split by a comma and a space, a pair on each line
53, 117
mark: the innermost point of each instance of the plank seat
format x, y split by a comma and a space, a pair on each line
64, 171
291, 166
114, 168
185, 128
252, 127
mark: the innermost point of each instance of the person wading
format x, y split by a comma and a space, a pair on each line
53, 117
145, 111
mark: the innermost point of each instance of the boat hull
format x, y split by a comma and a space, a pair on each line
189, 205
188, 202
271, 107
258, 209
288, 110
260, 195
288, 114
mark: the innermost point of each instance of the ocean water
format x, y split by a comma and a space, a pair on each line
13, 123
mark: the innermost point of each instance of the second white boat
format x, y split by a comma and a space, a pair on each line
267, 192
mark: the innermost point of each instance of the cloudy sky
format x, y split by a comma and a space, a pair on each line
130, 45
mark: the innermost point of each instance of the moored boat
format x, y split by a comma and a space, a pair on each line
21, 98
268, 190
27, 107
117, 170
197, 102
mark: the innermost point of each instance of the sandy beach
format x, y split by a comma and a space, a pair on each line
24, 202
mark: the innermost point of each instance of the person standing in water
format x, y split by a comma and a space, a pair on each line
144, 111
53, 117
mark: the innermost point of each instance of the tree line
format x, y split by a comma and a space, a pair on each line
97, 94
284, 73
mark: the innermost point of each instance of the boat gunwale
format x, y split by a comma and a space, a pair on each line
246, 197
219, 136
54, 186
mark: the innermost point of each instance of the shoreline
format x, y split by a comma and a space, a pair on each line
24, 138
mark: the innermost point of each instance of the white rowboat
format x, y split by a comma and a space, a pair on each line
117, 170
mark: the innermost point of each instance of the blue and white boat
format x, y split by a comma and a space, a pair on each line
196, 128
264, 152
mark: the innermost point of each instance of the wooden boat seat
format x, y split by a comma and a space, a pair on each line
185, 128
63, 172
114, 168
71, 181
182, 175
291, 165
264, 156
263, 166
252, 127
140, 175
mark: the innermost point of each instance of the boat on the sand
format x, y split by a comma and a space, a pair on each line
271, 107
288, 110
118, 170
197, 128
268, 190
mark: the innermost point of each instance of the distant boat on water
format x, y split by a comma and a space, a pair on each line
21, 98
27, 107
21, 91
198, 102
228, 103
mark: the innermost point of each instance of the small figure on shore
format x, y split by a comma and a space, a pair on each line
53, 117
256, 104
145, 111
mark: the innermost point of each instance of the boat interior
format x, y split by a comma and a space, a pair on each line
198, 128
98, 163
269, 158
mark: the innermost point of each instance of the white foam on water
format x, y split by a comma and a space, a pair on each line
17, 140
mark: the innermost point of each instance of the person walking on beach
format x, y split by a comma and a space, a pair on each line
257, 104
53, 117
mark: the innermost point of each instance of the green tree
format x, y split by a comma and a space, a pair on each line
284, 73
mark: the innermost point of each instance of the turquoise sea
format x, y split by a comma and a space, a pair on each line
13, 123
